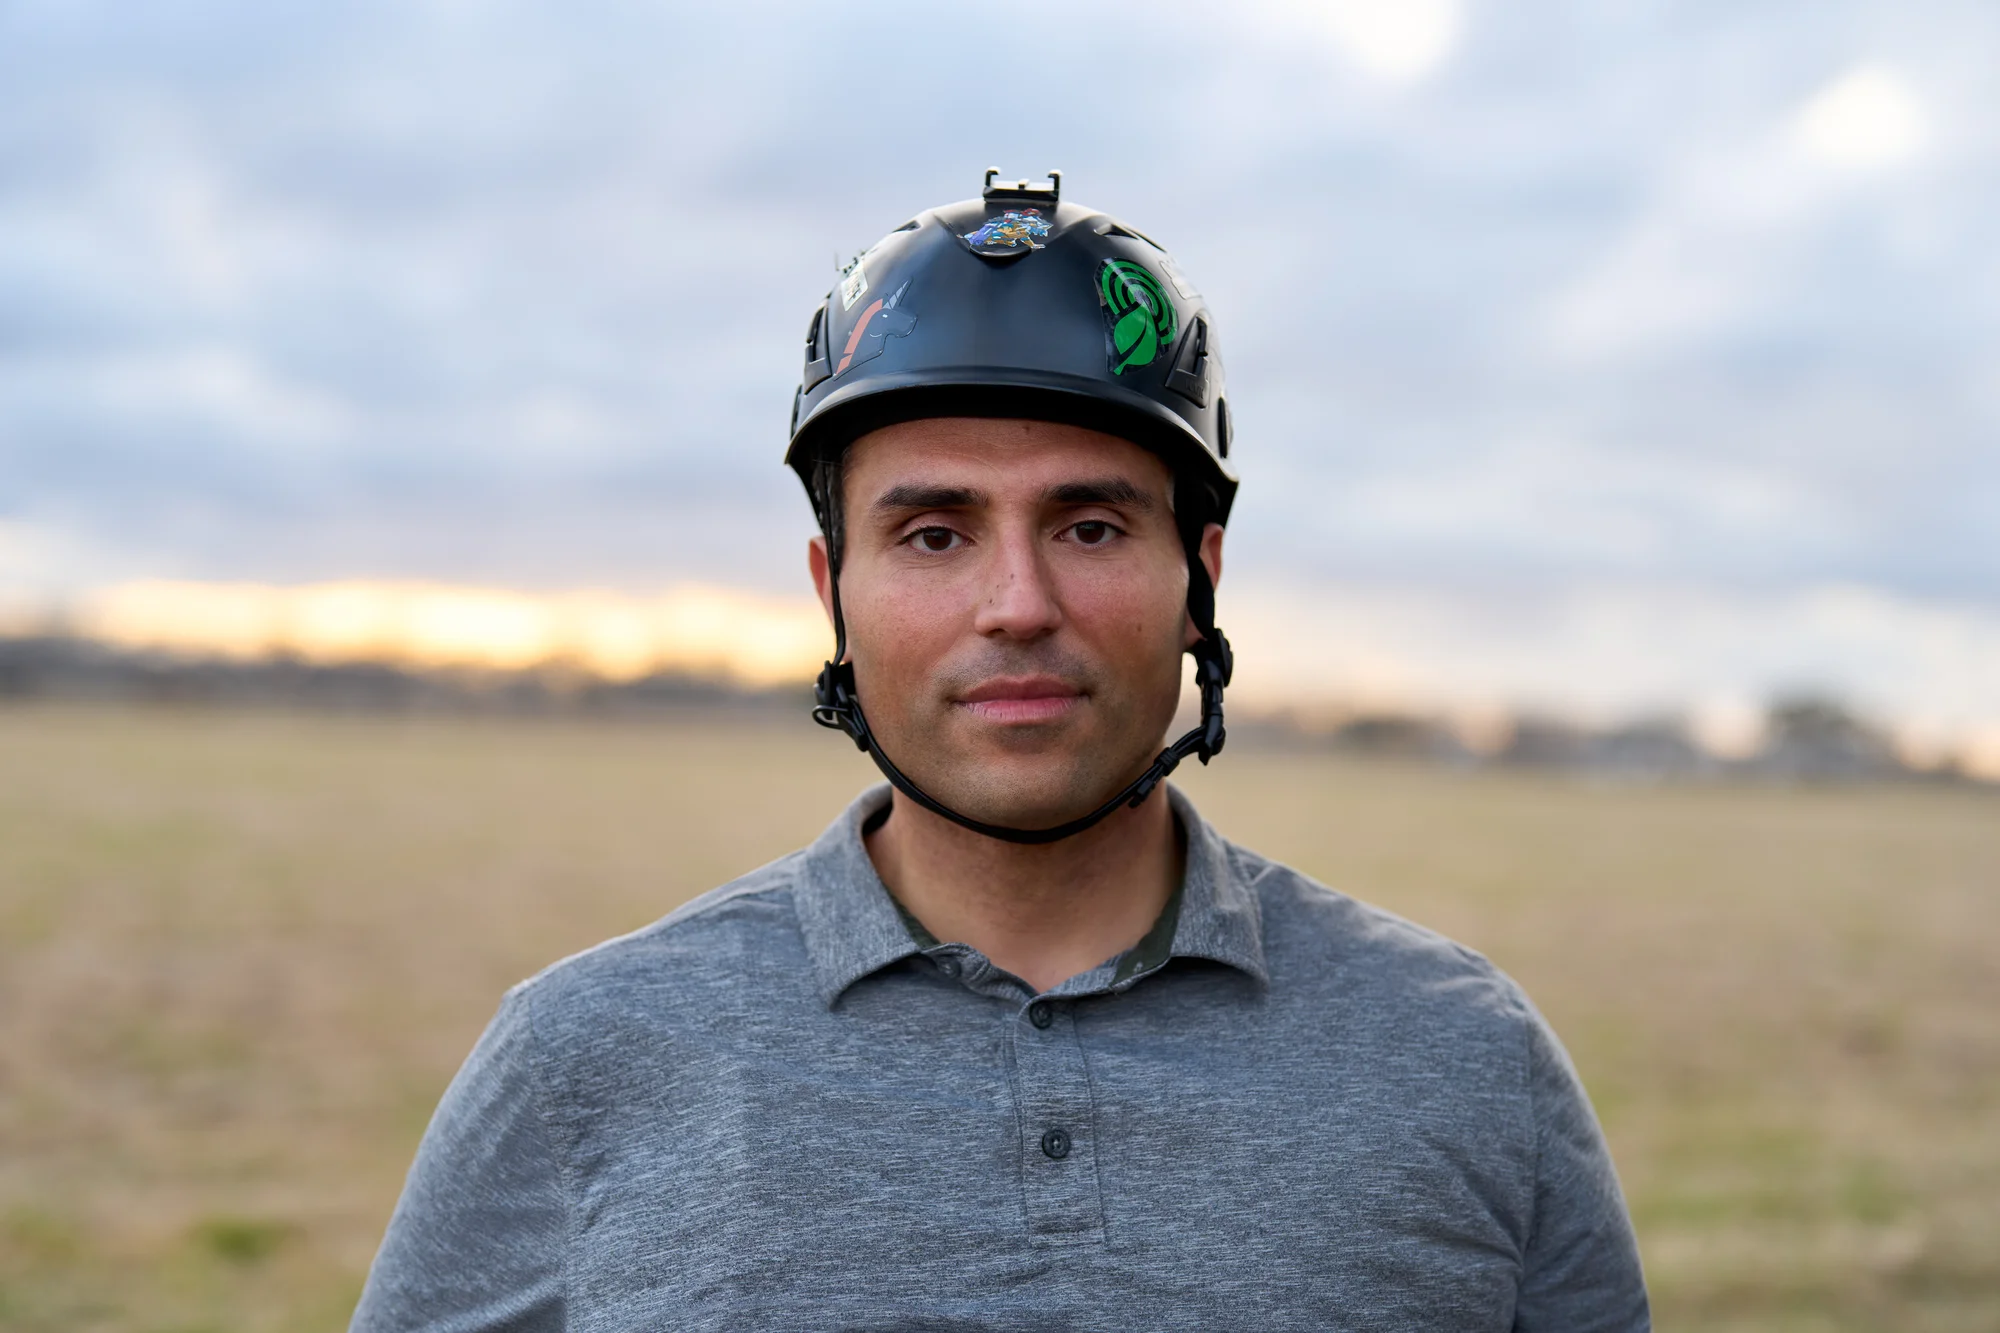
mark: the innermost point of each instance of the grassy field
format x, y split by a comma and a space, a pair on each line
240, 955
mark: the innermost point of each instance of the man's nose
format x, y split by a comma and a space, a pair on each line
1020, 600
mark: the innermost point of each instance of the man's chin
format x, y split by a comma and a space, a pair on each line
1014, 791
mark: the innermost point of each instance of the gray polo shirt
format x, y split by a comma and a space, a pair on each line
777, 1108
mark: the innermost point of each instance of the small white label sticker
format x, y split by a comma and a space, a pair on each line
1179, 279
852, 287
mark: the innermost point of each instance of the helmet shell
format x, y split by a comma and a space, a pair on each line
1017, 304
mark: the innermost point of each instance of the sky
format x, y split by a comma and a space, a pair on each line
1607, 357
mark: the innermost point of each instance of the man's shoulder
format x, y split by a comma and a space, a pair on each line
1323, 940
740, 933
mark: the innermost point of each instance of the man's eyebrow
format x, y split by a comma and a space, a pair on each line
913, 496
1102, 491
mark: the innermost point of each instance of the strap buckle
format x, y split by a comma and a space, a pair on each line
835, 705
1214, 664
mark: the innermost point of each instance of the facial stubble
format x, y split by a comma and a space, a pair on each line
1034, 774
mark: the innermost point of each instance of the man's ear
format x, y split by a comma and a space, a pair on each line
1211, 553
822, 574
1211, 560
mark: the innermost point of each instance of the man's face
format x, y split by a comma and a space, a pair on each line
1015, 595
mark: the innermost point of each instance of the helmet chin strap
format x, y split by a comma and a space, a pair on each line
837, 705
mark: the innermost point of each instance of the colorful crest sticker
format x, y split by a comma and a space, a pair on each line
1014, 232
1143, 318
884, 319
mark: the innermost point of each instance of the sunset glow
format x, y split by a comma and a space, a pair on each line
753, 639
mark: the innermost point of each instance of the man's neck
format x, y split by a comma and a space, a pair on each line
1044, 913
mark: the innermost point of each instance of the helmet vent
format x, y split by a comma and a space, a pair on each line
1189, 377
1106, 227
817, 362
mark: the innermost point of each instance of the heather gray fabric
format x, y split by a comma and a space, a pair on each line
773, 1110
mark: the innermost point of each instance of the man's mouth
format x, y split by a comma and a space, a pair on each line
1019, 699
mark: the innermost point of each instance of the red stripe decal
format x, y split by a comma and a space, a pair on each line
854, 335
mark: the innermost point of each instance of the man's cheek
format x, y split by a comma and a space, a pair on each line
1133, 615
896, 652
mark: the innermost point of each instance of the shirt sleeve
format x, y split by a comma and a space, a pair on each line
476, 1243
1582, 1269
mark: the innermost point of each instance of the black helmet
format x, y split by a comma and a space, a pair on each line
1018, 305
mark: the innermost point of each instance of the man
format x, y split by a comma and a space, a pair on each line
1020, 1042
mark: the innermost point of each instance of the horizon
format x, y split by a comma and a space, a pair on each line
764, 642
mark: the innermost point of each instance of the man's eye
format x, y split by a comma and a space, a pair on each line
1093, 532
934, 539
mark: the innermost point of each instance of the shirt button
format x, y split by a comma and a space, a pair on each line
1055, 1143
948, 966
1041, 1013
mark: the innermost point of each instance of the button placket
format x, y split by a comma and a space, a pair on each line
1060, 1190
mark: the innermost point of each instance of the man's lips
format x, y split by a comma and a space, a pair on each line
1021, 698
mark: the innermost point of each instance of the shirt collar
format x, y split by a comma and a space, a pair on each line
1220, 919
853, 927
850, 922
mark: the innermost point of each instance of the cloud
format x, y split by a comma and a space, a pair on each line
218, 387
1868, 118
1398, 40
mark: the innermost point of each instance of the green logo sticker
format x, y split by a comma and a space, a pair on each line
1143, 319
